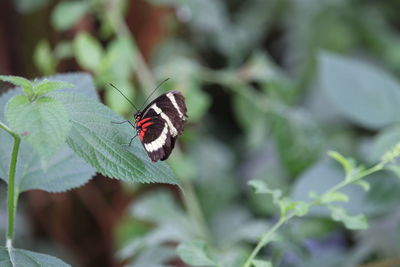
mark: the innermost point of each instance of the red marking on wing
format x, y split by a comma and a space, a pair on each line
142, 121
143, 127
147, 124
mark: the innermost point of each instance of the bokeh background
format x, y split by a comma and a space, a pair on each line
271, 86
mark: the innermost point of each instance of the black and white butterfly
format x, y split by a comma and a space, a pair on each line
160, 123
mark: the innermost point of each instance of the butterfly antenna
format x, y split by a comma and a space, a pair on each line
158, 86
133, 105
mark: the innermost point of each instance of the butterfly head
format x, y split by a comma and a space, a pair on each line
137, 116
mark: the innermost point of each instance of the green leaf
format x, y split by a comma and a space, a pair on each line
195, 253
10, 257
160, 209
234, 224
19, 81
391, 155
64, 49
104, 145
74, 9
334, 197
244, 108
347, 165
88, 51
262, 188
43, 124
158, 206
119, 60
357, 222
384, 141
327, 172
300, 208
46, 86
83, 82
261, 263
65, 170
155, 256
299, 140
364, 185
364, 93
43, 58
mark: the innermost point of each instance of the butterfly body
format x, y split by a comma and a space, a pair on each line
160, 123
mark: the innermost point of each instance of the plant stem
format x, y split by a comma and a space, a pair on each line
267, 236
357, 177
12, 195
265, 239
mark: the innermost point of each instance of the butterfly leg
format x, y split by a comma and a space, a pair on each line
130, 143
121, 122
118, 122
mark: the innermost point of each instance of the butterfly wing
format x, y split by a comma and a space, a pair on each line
164, 119
155, 137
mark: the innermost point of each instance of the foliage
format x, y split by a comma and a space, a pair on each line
46, 122
272, 87
19, 257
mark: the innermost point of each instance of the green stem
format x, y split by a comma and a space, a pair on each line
265, 239
357, 177
267, 236
12, 195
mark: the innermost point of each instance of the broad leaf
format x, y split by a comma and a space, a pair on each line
195, 253
88, 51
43, 123
299, 140
118, 62
46, 86
83, 82
156, 256
19, 257
74, 9
43, 57
104, 145
384, 141
19, 81
364, 93
65, 170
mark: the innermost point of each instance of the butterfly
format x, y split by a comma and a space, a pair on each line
160, 123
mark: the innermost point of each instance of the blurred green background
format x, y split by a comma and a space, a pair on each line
270, 86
